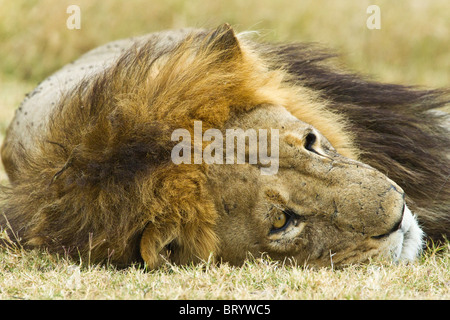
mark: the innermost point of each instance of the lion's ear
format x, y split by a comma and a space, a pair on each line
176, 243
153, 242
223, 40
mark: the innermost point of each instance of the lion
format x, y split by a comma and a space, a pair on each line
363, 166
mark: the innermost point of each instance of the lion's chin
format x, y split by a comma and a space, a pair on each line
411, 237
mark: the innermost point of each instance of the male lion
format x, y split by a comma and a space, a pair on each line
88, 155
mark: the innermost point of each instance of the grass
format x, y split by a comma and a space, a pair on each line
39, 275
410, 48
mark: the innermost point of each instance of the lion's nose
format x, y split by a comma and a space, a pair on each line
396, 226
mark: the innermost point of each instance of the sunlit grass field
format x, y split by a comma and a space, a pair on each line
410, 48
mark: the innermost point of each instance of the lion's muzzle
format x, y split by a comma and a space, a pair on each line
394, 228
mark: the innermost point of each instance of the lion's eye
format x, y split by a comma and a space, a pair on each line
281, 221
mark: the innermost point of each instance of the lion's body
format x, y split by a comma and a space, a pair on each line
88, 155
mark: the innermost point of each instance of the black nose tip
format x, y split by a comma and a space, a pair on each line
396, 226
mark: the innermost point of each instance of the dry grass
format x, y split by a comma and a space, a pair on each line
410, 48
39, 275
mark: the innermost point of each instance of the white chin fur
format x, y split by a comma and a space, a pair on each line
412, 235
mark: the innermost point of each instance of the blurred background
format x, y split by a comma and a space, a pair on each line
412, 46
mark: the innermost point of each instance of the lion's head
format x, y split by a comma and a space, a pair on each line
97, 177
319, 208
